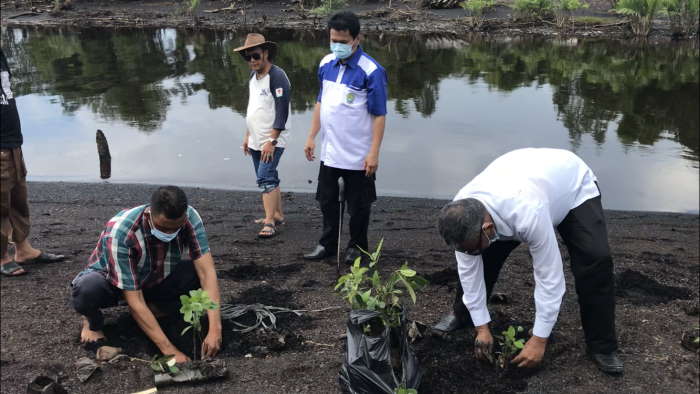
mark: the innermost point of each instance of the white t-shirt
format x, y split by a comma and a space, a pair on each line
268, 109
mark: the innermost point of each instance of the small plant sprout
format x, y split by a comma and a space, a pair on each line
164, 364
193, 308
403, 390
510, 345
370, 292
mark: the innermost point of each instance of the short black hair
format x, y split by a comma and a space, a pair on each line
345, 20
461, 220
170, 201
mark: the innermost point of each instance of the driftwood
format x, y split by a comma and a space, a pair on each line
105, 157
28, 13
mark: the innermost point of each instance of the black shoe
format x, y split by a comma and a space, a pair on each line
351, 254
608, 363
319, 253
450, 323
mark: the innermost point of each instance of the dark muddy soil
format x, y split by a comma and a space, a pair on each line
404, 17
656, 265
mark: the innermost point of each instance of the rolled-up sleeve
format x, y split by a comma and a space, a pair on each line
199, 244
548, 271
471, 276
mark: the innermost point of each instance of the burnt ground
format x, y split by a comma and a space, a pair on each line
656, 265
404, 17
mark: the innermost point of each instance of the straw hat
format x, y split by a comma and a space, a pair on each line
253, 40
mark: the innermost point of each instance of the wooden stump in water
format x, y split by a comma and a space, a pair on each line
105, 157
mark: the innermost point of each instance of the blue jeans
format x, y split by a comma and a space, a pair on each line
268, 178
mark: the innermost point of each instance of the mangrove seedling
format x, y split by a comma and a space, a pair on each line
164, 364
510, 345
403, 390
193, 308
365, 291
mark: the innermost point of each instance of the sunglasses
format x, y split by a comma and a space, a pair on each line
252, 56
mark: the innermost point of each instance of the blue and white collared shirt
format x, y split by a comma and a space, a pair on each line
350, 95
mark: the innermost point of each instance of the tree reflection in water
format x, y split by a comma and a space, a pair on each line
645, 93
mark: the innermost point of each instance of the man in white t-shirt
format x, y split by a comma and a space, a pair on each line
523, 196
267, 124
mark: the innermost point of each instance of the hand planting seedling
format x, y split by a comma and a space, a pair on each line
510, 345
368, 292
193, 308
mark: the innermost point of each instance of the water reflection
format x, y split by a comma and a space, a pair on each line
644, 97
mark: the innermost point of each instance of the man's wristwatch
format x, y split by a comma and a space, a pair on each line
273, 142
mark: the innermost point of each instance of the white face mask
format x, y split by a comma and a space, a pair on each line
162, 236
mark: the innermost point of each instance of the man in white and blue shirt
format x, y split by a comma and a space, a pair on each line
350, 114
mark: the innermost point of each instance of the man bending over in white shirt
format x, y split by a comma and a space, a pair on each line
521, 197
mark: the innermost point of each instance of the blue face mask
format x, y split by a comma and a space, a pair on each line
340, 50
165, 237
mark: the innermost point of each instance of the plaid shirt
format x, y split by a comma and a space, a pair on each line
132, 259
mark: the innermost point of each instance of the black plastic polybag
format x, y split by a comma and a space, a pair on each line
367, 365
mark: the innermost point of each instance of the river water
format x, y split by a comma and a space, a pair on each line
172, 105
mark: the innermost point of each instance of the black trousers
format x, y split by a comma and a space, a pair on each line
91, 291
360, 193
585, 235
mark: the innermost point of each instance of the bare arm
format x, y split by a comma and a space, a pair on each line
315, 127
148, 323
372, 160
204, 266
246, 150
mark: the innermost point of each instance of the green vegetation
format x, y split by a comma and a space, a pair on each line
369, 292
591, 20
683, 15
327, 7
476, 10
641, 14
193, 308
510, 345
531, 9
403, 390
192, 7
562, 11
164, 364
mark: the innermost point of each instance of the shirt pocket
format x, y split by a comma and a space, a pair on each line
354, 98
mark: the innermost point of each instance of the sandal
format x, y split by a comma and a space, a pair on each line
268, 231
262, 221
44, 258
12, 269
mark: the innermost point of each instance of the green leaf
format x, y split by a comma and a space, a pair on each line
407, 272
174, 369
511, 332
410, 290
519, 344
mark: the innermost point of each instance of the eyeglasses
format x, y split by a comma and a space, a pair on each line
476, 252
253, 56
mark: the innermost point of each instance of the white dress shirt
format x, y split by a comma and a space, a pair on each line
527, 192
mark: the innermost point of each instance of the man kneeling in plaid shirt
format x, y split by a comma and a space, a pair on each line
149, 255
